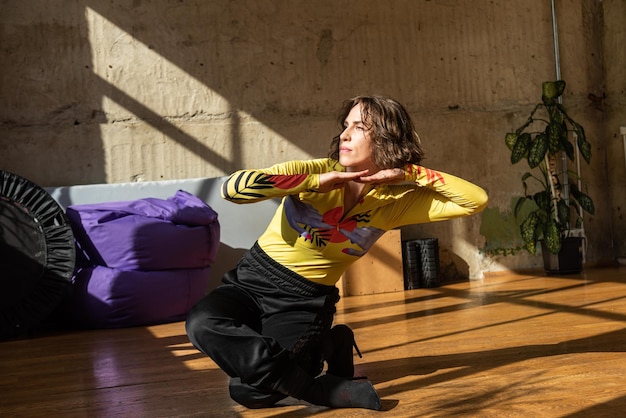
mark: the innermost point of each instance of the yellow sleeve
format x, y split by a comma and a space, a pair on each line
249, 186
439, 196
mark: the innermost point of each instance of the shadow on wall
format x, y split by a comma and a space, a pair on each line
51, 111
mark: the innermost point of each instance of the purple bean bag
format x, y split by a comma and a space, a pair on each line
103, 297
143, 262
147, 234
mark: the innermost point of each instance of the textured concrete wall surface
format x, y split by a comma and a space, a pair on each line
614, 104
138, 90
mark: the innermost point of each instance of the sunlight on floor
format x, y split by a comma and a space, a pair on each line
186, 352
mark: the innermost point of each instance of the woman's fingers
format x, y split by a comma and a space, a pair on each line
336, 179
388, 176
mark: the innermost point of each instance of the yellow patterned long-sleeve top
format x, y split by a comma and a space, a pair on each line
311, 235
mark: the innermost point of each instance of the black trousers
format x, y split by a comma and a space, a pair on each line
261, 320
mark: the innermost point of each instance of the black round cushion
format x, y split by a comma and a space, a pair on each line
37, 254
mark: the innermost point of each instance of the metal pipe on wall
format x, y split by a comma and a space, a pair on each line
557, 62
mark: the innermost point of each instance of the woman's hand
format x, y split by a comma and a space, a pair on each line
384, 176
337, 179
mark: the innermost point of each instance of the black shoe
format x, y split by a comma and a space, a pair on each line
338, 351
328, 390
335, 392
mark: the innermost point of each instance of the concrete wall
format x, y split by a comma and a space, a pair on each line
111, 92
614, 49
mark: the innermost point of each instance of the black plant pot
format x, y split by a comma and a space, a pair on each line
568, 261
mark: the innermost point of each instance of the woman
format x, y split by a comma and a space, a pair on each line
268, 326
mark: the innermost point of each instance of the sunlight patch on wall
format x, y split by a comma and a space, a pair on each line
163, 123
143, 74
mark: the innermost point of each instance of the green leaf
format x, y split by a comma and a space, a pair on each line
510, 139
527, 228
583, 200
551, 90
520, 149
531, 247
538, 150
568, 148
542, 199
554, 132
552, 237
528, 231
563, 212
583, 146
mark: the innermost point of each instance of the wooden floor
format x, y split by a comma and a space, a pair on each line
506, 346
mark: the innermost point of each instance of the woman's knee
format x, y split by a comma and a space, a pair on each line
219, 313
201, 320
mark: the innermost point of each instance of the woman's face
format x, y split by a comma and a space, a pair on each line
355, 145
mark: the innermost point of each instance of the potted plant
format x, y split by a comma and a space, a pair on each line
557, 203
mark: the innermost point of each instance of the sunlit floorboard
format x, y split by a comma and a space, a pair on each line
510, 345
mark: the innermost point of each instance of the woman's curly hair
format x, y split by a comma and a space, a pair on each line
395, 142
